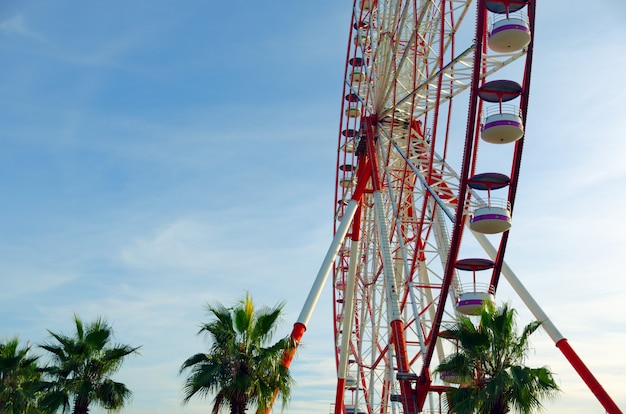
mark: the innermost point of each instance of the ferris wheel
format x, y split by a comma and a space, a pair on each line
423, 88
428, 157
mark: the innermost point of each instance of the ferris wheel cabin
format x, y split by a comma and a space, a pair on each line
510, 31
454, 378
348, 180
494, 215
471, 297
351, 409
502, 123
509, 35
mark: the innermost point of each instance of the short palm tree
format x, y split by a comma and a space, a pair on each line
20, 378
490, 357
82, 366
241, 368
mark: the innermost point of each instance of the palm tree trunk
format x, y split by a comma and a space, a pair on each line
81, 405
500, 407
238, 405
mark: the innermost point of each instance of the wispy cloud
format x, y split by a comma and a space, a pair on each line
16, 25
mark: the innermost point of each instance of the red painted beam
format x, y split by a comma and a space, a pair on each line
589, 379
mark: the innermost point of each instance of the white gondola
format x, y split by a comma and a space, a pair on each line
509, 35
491, 219
351, 135
471, 297
454, 378
362, 40
356, 76
471, 303
353, 112
350, 409
502, 125
349, 147
349, 178
493, 215
347, 182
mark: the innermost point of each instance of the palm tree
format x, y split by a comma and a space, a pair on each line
20, 379
240, 369
490, 357
82, 366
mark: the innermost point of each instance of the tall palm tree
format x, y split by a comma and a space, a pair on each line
240, 369
490, 358
20, 378
82, 366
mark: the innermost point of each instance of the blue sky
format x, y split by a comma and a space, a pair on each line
155, 157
